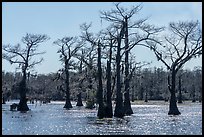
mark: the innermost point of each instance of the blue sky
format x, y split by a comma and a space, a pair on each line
59, 19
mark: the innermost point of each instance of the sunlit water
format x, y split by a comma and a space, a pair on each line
52, 119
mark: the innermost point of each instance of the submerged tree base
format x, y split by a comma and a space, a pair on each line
119, 112
174, 112
68, 105
179, 101
108, 111
22, 106
79, 104
127, 109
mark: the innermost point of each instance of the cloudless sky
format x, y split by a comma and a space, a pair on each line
59, 19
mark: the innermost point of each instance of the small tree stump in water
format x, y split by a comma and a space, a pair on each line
13, 106
79, 100
200, 99
193, 100
3, 100
146, 99
166, 100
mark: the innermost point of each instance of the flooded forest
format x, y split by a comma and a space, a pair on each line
101, 87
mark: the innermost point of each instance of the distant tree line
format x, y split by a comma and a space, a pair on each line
150, 81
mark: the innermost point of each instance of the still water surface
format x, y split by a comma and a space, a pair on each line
52, 119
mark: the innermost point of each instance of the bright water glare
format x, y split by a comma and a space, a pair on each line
52, 119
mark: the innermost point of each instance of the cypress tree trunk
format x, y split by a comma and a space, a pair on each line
200, 90
79, 100
141, 92
133, 96
101, 111
68, 102
22, 106
90, 100
127, 104
109, 109
193, 93
132, 90
3, 100
173, 109
146, 99
119, 109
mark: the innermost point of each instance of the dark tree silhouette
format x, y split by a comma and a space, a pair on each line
101, 111
120, 17
79, 100
68, 49
3, 100
193, 93
22, 56
183, 44
107, 37
81, 79
109, 109
119, 108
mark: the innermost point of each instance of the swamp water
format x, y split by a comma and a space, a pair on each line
52, 119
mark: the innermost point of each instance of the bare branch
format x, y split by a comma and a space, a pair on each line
39, 53
184, 44
13, 51
34, 39
34, 63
